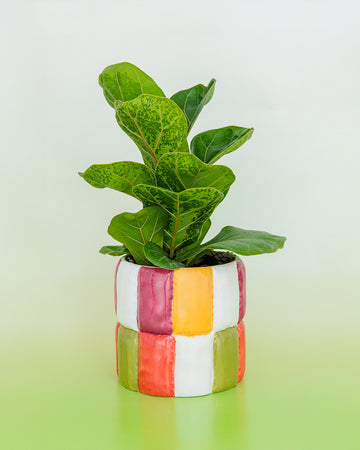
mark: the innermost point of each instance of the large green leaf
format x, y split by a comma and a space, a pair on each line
122, 176
211, 145
180, 171
204, 229
192, 100
187, 211
125, 81
114, 250
237, 240
134, 230
155, 124
157, 256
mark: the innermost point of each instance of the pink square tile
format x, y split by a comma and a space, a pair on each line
242, 288
155, 294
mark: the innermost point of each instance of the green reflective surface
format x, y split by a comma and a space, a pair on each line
64, 394
59, 390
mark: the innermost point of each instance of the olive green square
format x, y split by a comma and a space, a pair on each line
128, 358
226, 359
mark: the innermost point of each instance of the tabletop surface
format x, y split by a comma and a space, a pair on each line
60, 391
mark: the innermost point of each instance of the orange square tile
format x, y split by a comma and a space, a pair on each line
242, 351
116, 343
156, 364
192, 308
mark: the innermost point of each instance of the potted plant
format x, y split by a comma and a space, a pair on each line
179, 300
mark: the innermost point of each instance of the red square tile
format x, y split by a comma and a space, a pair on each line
241, 332
156, 364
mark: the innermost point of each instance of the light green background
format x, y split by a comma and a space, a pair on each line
291, 70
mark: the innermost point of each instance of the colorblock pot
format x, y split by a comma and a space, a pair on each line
180, 332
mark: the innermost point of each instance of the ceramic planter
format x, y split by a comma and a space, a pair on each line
180, 332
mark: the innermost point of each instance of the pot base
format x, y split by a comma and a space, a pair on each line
180, 366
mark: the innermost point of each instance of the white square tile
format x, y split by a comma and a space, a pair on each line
126, 291
226, 296
193, 365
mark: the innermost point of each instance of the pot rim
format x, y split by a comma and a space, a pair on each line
236, 258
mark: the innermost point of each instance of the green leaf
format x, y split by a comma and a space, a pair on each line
237, 240
187, 211
114, 250
211, 145
204, 229
134, 230
180, 171
155, 124
122, 176
192, 100
125, 81
157, 256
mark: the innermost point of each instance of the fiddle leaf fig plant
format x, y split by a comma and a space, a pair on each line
237, 240
114, 250
192, 100
158, 257
156, 125
178, 185
187, 211
125, 82
180, 171
122, 176
211, 145
134, 230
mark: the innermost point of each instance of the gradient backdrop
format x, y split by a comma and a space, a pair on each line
291, 70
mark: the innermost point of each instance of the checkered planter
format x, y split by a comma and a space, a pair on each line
181, 331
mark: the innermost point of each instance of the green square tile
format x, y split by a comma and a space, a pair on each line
226, 359
128, 358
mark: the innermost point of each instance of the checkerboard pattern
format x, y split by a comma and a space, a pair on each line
181, 331
180, 366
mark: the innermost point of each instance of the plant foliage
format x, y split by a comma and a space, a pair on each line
179, 186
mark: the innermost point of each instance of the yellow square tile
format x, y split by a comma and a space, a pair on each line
192, 307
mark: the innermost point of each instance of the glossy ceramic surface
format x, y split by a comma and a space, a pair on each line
181, 331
